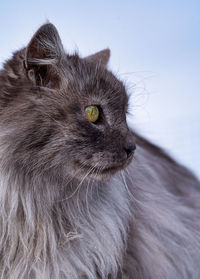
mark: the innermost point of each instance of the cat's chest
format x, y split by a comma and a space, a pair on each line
97, 250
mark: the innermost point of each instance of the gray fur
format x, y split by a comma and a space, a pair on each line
73, 204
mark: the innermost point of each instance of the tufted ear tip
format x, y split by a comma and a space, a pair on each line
45, 46
102, 57
44, 51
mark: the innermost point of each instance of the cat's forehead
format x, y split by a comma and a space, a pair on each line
91, 82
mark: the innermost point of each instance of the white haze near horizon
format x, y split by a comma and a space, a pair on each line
155, 48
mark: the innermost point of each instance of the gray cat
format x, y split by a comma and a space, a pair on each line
82, 196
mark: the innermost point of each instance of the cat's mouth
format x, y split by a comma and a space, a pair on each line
101, 172
111, 169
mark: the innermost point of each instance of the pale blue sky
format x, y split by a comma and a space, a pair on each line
155, 48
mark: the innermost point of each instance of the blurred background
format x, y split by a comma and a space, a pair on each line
155, 47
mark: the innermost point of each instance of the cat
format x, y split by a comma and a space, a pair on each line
82, 195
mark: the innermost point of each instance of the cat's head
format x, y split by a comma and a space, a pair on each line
64, 113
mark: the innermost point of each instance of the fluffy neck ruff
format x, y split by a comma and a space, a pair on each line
49, 233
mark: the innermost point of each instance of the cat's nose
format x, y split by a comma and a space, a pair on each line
130, 150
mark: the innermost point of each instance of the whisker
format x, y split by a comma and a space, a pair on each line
128, 191
79, 185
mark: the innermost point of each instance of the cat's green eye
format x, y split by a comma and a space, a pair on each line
92, 113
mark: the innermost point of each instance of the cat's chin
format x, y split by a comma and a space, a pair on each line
100, 173
102, 176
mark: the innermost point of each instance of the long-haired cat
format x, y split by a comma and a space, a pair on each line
82, 196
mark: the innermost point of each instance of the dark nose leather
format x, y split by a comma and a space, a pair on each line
129, 150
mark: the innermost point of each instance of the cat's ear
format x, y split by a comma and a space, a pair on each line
43, 53
101, 57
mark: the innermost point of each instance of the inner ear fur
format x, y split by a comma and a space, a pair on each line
42, 54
